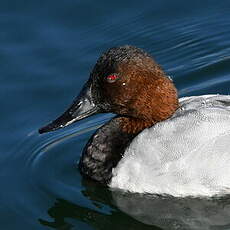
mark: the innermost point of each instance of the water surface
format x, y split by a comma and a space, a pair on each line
47, 49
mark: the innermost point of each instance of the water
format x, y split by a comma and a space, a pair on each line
47, 51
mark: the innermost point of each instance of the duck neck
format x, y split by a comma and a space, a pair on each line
105, 148
134, 125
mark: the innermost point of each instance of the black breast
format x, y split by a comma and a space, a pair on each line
103, 151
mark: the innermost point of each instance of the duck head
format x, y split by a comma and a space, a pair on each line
128, 82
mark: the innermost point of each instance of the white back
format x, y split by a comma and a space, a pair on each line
188, 154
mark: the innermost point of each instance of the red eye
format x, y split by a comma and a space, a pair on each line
111, 78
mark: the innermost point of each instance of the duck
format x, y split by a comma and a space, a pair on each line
156, 143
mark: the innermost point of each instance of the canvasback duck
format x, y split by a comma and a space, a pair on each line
156, 143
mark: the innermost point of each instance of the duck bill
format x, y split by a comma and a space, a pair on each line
82, 107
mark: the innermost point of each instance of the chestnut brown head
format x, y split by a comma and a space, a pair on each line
126, 81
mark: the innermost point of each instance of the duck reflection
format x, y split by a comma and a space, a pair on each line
135, 211
176, 213
63, 211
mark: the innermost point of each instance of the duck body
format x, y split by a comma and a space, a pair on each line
156, 143
185, 155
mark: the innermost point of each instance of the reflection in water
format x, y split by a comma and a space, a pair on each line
98, 218
149, 212
64, 209
177, 213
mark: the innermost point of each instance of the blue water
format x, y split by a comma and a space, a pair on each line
47, 49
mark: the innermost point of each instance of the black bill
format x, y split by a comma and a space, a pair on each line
82, 107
